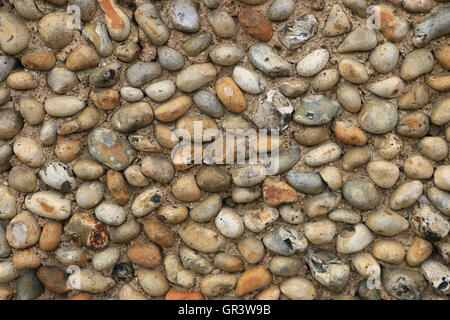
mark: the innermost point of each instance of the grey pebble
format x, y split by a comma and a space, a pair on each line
285, 241
170, 59
316, 110
89, 194
5, 95
131, 94
208, 103
62, 80
322, 204
110, 213
5, 249
106, 258
291, 215
285, 266
132, 117
101, 141
197, 44
428, 223
184, 16
280, 10
195, 261
323, 154
403, 283
140, 73
245, 195
361, 194
269, 62
298, 31
7, 64
28, 286
161, 90
126, 232
273, 112
222, 23
207, 209
328, 269
294, 88
440, 199
47, 134
106, 76
306, 182
16, 174
378, 116
212, 4
226, 54
433, 27
11, 122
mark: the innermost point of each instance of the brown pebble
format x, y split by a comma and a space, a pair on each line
26, 259
145, 255
82, 58
186, 189
42, 61
349, 134
105, 99
173, 109
67, 150
278, 192
256, 24
157, 232
53, 279
6, 292
50, 236
21, 80
418, 252
253, 279
442, 54
118, 187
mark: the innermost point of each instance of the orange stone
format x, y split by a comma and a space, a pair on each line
181, 295
145, 255
230, 95
278, 192
253, 279
349, 134
256, 24
50, 236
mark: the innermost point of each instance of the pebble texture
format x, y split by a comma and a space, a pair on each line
92, 173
